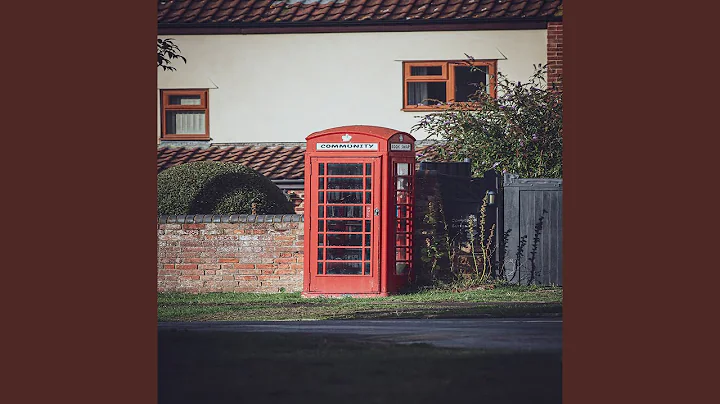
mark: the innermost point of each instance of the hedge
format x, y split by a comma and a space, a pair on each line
211, 187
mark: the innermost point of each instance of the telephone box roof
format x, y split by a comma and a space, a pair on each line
376, 131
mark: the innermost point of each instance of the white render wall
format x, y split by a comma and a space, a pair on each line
282, 87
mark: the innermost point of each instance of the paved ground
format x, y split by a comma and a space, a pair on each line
507, 333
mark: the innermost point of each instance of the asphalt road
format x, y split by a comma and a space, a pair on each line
534, 334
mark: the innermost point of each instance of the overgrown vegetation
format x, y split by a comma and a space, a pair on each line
211, 187
518, 132
468, 256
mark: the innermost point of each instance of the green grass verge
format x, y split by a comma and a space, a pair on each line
499, 302
231, 367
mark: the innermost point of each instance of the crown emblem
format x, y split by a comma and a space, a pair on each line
346, 137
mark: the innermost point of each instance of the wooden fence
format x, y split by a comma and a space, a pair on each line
532, 220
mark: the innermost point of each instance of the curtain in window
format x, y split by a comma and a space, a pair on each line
185, 122
418, 92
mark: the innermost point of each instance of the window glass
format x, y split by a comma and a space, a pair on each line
426, 93
345, 226
185, 122
344, 268
185, 100
345, 169
344, 239
468, 80
426, 70
403, 169
344, 183
344, 211
344, 197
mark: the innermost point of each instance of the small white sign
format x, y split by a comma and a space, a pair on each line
400, 147
346, 146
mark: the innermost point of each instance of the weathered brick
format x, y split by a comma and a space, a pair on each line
228, 260
186, 266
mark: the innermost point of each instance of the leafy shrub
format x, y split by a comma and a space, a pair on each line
519, 132
211, 187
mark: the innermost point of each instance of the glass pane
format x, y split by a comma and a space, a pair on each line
367, 239
321, 185
321, 169
402, 225
368, 183
320, 254
403, 169
468, 80
344, 268
400, 254
368, 168
185, 100
345, 226
344, 239
426, 93
368, 197
367, 269
402, 239
344, 254
320, 268
344, 197
401, 268
321, 225
426, 70
367, 226
402, 211
345, 183
344, 169
320, 211
403, 197
344, 211
321, 197
185, 122
402, 183
320, 239
367, 254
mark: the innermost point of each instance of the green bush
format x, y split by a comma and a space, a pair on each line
518, 132
211, 187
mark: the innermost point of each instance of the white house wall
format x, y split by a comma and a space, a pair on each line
282, 87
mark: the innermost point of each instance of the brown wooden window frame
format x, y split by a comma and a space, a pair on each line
204, 106
447, 76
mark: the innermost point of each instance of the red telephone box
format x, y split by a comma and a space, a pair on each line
358, 211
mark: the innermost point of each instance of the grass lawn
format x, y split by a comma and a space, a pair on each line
509, 301
231, 367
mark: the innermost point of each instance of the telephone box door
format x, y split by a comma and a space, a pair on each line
345, 229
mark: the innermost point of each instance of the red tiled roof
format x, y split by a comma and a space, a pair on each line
274, 162
241, 12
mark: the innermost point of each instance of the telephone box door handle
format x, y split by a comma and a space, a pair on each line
377, 211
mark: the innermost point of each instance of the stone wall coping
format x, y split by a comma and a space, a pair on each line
230, 218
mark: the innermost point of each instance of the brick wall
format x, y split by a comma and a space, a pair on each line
230, 253
555, 53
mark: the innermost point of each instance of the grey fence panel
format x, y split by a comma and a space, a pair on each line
532, 210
